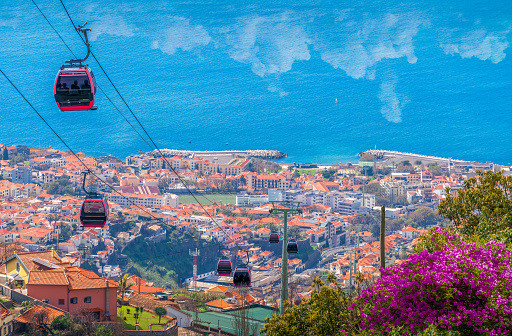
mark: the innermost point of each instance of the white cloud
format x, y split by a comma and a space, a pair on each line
361, 42
9, 23
270, 44
392, 103
111, 24
181, 35
479, 43
276, 89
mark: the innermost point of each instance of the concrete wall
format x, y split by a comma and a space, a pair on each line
171, 331
183, 319
214, 331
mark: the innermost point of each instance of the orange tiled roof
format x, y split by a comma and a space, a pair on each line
28, 317
219, 303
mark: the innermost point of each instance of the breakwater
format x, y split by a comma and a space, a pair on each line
382, 154
261, 153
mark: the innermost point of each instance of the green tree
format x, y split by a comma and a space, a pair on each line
424, 216
295, 174
482, 208
436, 170
18, 158
123, 285
325, 313
62, 186
160, 311
294, 232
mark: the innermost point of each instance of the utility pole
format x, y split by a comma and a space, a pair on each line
356, 247
284, 258
349, 273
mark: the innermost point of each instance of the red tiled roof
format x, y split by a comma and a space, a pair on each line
29, 316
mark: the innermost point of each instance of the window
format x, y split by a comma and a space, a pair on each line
61, 301
87, 299
18, 267
73, 300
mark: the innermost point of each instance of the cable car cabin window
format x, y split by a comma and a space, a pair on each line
74, 89
242, 278
224, 267
274, 238
292, 248
94, 208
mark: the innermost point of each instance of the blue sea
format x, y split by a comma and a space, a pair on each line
318, 80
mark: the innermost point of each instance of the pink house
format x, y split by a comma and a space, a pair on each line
76, 291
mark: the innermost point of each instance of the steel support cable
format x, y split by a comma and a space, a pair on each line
71, 51
98, 85
163, 157
88, 169
147, 134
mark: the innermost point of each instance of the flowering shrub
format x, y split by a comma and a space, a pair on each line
463, 287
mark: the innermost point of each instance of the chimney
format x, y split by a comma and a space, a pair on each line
107, 307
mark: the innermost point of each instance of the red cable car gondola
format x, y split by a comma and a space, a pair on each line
94, 211
242, 277
292, 247
75, 84
224, 267
274, 238
75, 88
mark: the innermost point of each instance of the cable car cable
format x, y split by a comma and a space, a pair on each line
133, 114
71, 51
112, 105
147, 134
94, 174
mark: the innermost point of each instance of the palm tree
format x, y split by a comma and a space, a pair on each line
123, 284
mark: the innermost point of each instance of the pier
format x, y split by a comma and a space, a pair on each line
222, 156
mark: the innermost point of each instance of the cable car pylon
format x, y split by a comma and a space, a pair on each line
284, 257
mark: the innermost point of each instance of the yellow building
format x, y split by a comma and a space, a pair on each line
185, 164
19, 265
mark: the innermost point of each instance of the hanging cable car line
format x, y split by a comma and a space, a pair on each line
242, 277
99, 87
88, 169
147, 134
133, 114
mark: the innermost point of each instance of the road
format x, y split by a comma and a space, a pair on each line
330, 252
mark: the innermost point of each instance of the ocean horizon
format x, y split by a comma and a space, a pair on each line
319, 81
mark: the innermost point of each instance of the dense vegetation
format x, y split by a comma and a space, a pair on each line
164, 263
457, 282
261, 166
61, 186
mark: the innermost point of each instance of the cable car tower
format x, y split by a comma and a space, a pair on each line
284, 265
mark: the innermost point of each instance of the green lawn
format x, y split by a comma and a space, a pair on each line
308, 171
225, 198
145, 320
